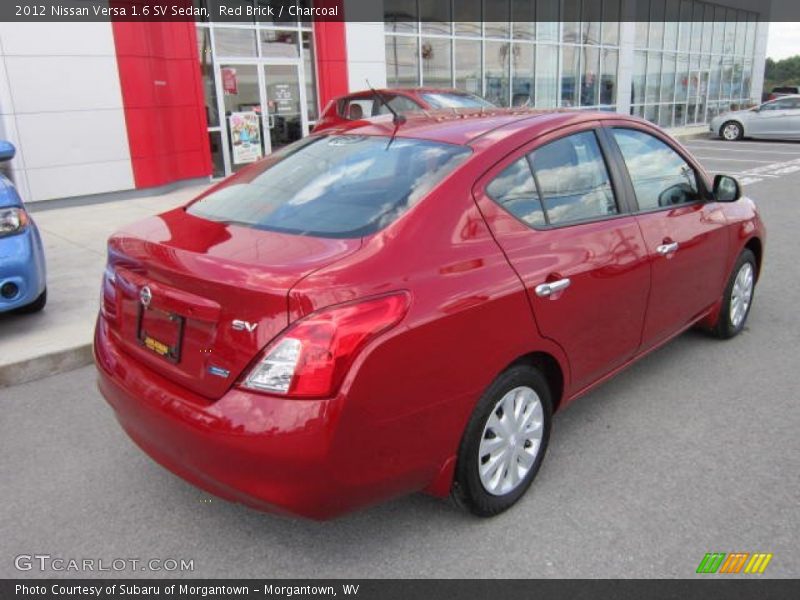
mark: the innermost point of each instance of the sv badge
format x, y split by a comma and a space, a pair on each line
239, 325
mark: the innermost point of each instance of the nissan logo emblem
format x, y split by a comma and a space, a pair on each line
145, 296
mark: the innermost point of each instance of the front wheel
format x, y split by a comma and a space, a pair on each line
738, 298
35, 306
504, 443
731, 131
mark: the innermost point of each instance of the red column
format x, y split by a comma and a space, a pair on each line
331, 54
162, 95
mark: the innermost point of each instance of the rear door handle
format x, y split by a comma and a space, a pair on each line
665, 249
545, 289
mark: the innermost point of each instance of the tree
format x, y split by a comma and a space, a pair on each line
782, 72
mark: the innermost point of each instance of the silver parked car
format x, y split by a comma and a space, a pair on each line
777, 119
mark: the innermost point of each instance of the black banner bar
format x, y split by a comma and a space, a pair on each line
406, 589
287, 11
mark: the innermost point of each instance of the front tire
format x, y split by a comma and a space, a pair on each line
504, 442
731, 131
738, 297
35, 306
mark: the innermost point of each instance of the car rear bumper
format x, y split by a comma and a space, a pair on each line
270, 453
22, 265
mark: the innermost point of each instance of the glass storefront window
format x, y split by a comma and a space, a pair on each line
467, 58
653, 89
682, 78
546, 88
570, 68
590, 64
310, 69
436, 62
402, 67
279, 44
207, 75
238, 42
638, 79
608, 76
668, 78
497, 71
522, 75
217, 161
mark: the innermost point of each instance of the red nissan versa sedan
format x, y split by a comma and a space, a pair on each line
402, 306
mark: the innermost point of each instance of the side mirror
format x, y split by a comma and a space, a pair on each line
726, 189
7, 151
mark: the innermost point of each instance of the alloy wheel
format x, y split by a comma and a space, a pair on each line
731, 132
741, 295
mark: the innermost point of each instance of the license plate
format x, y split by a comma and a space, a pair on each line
161, 332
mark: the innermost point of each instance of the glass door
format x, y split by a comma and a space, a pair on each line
286, 119
263, 105
244, 115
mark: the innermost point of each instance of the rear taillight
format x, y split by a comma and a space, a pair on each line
312, 357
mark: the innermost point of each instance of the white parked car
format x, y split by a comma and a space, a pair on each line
777, 119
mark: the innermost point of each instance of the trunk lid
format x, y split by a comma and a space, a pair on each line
196, 300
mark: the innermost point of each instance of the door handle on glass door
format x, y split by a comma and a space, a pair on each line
667, 248
545, 289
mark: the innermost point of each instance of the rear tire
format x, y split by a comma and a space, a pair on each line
35, 306
731, 131
502, 450
738, 298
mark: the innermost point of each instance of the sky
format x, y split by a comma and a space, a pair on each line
783, 40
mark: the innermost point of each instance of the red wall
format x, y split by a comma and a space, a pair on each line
163, 98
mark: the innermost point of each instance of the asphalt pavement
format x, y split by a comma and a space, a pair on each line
694, 449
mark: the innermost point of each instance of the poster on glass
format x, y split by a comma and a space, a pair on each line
245, 137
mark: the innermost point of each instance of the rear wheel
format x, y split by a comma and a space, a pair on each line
738, 297
731, 131
504, 443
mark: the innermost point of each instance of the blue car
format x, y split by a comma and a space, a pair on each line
22, 270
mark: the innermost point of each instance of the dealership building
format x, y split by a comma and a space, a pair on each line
103, 107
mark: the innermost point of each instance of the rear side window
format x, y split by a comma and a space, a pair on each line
366, 107
515, 190
333, 186
660, 177
573, 180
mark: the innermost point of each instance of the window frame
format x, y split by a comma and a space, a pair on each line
616, 177
704, 193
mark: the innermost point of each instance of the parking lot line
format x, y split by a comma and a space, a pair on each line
772, 143
727, 159
714, 146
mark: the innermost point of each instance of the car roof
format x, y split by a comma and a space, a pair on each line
466, 126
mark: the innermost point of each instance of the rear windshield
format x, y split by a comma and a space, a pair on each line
444, 100
333, 186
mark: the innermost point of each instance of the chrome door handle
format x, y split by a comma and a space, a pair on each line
665, 249
545, 289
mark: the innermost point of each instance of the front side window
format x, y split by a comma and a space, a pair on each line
341, 186
660, 176
573, 180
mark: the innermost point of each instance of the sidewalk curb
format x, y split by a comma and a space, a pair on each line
39, 367
687, 137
